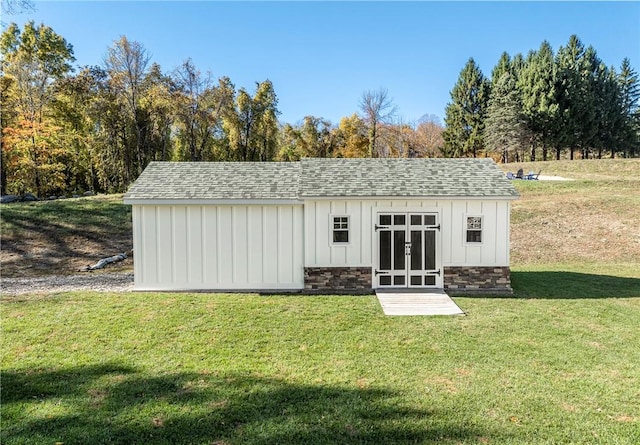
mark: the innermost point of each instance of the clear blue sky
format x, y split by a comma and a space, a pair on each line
321, 56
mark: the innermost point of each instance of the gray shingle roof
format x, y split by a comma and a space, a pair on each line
424, 177
217, 180
322, 178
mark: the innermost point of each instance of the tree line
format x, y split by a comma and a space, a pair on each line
67, 130
98, 128
545, 106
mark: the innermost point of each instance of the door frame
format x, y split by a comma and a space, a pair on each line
439, 284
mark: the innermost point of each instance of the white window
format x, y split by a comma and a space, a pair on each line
474, 229
339, 229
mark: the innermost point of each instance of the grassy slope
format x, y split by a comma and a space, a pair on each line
591, 222
59, 237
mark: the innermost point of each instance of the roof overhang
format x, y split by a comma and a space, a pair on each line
200, 201
409, 198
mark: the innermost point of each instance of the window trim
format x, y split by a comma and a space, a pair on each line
332, 229
466, 230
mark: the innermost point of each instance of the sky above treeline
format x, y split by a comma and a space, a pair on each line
321, 56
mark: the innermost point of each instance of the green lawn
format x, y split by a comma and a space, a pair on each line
558, 363
81, 368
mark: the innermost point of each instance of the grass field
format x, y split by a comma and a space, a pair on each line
555, 364
247, 369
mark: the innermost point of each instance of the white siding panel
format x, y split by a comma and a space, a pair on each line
150, 244
361, 250
285, 245
255, 243
446, 232
458, 249
354, 251
136, 221
323, 254
225, 236
195, 254
182, 258
165, 258
310, 227
270, 267
210, 235
240, 245
219, 247
298, 243
489, 233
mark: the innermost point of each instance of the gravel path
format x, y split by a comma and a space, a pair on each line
100, 282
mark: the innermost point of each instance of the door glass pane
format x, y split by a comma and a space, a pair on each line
385, 280
398, 250
385, 220
385, 250
416, 250
416, 220
398, 280
416, 280
429, 249
399, 220
430, 280
429, 220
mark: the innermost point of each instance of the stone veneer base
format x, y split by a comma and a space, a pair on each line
333, 280
476, 280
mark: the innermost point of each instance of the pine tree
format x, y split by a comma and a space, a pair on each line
505, 128
575, 95
630, 102
464, 116
502, 67
537, 86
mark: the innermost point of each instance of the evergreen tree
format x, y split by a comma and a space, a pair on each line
537, 86
464, 116
575, 95
609, 117
630, 102
502, 67
505, 128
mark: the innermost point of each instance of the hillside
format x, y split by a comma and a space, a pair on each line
590, 222
60, 237
591, 219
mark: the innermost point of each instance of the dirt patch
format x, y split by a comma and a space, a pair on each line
62, 237
35, 255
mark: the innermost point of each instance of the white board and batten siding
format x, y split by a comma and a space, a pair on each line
222, 247
360, 251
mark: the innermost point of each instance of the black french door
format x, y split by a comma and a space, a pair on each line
408, 250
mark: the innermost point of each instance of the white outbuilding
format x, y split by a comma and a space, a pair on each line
323, 225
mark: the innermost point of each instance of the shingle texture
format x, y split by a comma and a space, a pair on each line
322, 178
403, 177
217, 180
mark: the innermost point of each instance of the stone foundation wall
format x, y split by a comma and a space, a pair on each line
478, 280
337, 279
